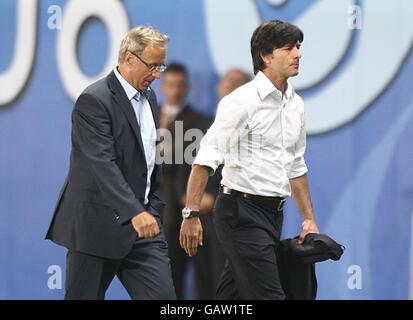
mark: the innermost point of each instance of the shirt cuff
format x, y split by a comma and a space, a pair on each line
298, 169
209, 157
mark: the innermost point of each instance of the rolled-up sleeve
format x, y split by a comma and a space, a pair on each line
299, 166
229, 126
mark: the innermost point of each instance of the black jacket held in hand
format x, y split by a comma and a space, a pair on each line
296, 264
106, 183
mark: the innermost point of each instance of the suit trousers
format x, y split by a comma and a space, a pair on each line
145, 272
249, 232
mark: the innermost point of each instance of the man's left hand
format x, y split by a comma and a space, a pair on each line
308, 226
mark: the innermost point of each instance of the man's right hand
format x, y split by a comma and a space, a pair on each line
190, 236
145, 225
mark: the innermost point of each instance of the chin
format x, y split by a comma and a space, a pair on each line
293, 74
143, 87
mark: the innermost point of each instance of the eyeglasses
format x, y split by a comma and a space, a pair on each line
152, 67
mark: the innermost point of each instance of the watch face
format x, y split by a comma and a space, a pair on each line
186, 212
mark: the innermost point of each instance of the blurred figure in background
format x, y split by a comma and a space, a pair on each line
215, 259
176, 118
209, 262
231, 80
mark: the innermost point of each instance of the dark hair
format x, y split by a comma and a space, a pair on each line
175, 67
271, 35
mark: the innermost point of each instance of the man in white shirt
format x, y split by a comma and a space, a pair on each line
259, 135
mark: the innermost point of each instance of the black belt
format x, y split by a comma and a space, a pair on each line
278, 202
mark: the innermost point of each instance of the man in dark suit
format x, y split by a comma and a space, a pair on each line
109, 213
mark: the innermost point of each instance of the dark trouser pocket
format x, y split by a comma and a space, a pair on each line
226, 210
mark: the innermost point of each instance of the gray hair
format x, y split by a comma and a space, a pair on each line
137, 39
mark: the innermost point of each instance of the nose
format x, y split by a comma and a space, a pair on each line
297, 53
156, 73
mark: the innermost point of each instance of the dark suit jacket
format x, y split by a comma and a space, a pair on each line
106, 183
296, 263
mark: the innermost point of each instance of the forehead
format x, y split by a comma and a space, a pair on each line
174, 76
235, 74
298, 43
154, 52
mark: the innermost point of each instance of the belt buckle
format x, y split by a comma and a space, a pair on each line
281, 204
225, 190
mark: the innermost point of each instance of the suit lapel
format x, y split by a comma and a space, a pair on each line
126, 106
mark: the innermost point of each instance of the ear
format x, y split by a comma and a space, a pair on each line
128, 58
267, 58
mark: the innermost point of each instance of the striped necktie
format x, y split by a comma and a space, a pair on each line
137, 97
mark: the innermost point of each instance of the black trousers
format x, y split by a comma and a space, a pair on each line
145, 272
249, 232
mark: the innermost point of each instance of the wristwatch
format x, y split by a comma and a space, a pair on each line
189, 213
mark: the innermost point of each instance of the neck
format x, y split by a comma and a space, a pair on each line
280, 82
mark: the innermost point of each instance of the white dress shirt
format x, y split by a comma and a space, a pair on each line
146, 123
259, 134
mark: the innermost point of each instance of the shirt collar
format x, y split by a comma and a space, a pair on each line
290, 92
129, 90
266, 87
